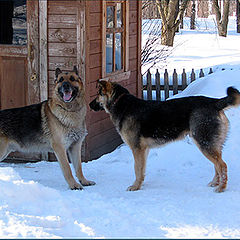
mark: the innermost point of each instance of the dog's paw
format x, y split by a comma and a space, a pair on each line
133, 188
87, 183
213, 184
76, 186
220, 189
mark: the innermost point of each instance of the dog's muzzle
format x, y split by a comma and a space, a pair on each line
67, 92
94, 105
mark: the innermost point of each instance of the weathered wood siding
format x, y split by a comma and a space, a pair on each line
102, 136
62, 37
64, 22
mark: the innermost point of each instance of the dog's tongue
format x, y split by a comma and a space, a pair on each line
67, 96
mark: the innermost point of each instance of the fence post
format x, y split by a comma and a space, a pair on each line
166, 84
175, 82
201, 74
193, 76
157, 83
184, 79
149, 85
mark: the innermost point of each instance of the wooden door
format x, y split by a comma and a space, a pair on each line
19, 56
18, 53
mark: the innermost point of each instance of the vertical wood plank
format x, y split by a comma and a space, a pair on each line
157, 82
81, 39
149, 86
193, 76
33, 90
126, 59
166, 84
184, 79
43, 45
175, 82
139, 47
104, 15
81, 30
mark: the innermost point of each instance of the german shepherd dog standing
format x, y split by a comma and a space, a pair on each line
147, 124
57, 125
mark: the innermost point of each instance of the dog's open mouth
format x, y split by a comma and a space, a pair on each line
67, 96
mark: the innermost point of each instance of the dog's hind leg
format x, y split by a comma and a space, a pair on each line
140, 157
209, 131
74, 153
221, 170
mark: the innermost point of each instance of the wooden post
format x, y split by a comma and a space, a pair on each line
175, 82
149, 85
184, 79
33, 94
201, 74
166, 84
43, 46
193, 76
157, 83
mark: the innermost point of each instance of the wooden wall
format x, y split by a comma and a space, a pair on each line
102, 136
62, 37
63, 51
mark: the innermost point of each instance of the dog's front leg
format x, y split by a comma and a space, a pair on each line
74, 153
140, 157
61, 155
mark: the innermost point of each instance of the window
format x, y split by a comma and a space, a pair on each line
115, 37
13, 22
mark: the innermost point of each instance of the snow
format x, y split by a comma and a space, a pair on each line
174, 202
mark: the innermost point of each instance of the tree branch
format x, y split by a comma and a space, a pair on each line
161, 11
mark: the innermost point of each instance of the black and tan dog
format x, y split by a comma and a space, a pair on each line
57, 125
147, 124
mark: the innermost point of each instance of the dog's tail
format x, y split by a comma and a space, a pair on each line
232, 99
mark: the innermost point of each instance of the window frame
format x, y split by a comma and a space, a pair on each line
123, 73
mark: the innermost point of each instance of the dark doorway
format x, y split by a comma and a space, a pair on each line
13, 22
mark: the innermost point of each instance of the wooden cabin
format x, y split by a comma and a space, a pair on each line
102, 38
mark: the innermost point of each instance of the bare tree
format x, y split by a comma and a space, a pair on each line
152, 52
222, 19
171, 17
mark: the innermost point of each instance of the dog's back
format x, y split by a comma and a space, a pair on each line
23, 125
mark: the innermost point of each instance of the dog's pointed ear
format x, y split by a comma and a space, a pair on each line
75, 70
103, 83
57, 72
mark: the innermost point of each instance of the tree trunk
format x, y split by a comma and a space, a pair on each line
171, 18
222, 21
238, 16
167, 36
193, 16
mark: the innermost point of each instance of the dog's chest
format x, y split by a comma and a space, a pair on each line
75, 135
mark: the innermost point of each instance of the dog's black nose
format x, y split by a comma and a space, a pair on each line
66, 86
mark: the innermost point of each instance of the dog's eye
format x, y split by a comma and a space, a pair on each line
72, 79
61, 79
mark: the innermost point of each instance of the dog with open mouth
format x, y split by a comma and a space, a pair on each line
55, 125
146, 124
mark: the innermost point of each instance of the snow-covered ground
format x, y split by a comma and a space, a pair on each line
174, 201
